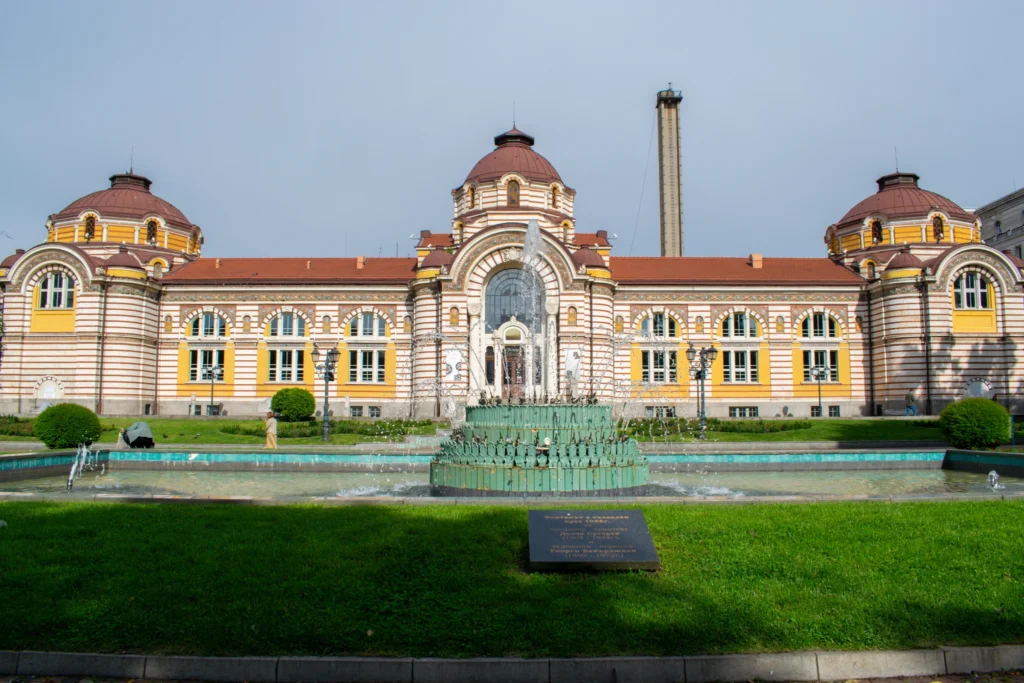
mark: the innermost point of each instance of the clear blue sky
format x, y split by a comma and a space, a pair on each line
336, 128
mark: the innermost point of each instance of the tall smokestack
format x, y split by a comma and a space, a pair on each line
670, 181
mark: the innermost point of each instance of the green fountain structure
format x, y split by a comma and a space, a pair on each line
538, 450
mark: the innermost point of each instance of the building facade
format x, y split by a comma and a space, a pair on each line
1002, 223
118, 311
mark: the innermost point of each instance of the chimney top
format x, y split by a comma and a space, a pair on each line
217, 264
756, 261
360, 262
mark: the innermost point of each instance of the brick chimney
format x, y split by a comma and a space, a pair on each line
217, 264
755, 261
360, 262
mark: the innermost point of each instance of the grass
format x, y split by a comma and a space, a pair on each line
449, 581
219, 431
827, 430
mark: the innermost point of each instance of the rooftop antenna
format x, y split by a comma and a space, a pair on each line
513, 113
131, 163
897, 156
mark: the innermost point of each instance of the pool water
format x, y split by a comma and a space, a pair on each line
397, 484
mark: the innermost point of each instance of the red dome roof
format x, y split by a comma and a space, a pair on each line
12, 259
514, 154
905, 259
899, 196
127, 197
124, 259
588, 258
437, 259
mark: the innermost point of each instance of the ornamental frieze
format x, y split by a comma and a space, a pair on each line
966, 257
512, 253
737, 299
281, 298
50, 257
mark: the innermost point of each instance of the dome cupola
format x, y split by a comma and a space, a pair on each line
513, 153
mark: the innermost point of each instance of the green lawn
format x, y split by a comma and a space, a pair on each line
841, 430
449, 581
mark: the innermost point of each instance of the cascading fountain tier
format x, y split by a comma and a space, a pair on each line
538, 450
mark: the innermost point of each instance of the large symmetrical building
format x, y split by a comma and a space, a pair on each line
117, 310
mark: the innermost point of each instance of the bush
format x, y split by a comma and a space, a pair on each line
974, 423
15, 426
652, 427
66, 425
294, 405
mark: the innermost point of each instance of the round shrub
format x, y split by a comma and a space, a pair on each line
975, 423
67, 425
293, 404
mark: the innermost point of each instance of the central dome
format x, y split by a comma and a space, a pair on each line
127, 197
899, 196
514, 154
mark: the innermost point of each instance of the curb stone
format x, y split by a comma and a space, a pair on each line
81, 664
8, 662
783, 666
254, 669
481, 670
349, 669
833, 666
618, 670
965, 660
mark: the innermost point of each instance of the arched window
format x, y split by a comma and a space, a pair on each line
514, 292
288, 325
151, 226
570, 316
938, 229
57, 290
780, 324
819, 325
247, 324
619, 324
876, 232
471, 198
453, 317
698, 325
872, 270
407, 325
739, 324
554, 196
513, 193
168, 324
90, 228
659, 325
368, 324
326, 323
209, 324
970, 291
489, 364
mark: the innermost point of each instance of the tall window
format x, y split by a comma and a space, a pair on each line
489, 365
366, 367
513, 193
938, 229
514, 292
739, 366
872, 270
286, 365
554, 196
369, 324
659, 325
151, 231
201, 360
827, 360
970, 291
876, 232
816, 324
57, 290
453, 317
90, 228
570, 316
209, 325
471, 198
739, 324
658, 367
288, 325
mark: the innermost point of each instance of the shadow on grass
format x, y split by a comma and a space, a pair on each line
448, 581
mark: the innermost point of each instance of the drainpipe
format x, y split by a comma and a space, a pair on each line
104, 287
591, 335
927, 347
437, 354
156, 356
871, 361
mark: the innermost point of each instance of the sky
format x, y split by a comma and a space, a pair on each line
340, 129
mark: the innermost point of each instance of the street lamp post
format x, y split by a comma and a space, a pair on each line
700, 361
325, 364
819, 372
214, 372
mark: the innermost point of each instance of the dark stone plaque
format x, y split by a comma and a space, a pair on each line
590, 540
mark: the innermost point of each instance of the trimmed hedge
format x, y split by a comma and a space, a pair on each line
653, 426
974, 423
11, 425
67, 425
293, 404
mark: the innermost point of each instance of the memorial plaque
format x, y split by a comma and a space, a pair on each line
590, 540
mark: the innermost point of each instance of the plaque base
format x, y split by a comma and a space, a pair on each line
590, 540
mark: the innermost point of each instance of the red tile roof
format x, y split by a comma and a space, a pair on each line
592, 239
730, 271
257, 271
434, 239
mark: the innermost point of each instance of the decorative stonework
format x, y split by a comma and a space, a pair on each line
253, 297
737, 298
31, 266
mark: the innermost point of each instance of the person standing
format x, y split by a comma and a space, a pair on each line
911, 401
271, 430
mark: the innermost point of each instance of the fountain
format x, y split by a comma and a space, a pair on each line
538, 450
